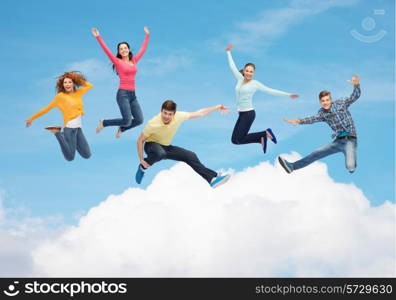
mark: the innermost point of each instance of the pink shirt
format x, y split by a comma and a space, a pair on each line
125, 71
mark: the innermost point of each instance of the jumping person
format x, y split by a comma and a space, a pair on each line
245, 89
125, 64
157, 137
338, 117
69, 101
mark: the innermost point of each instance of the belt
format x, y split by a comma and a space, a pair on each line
351, 136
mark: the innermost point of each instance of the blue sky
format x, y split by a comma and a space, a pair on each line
298, 46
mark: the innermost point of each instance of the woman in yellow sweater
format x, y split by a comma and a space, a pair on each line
71, 87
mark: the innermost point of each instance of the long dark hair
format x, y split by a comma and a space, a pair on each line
119, 55
247, 65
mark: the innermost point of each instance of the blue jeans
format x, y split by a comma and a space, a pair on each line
240, 134
72, 139
156, 152
348, 146
131, 112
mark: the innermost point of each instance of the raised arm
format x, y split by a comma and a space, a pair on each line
232, 65
143, 48
205, 111
96, 34
356, 91
85, 87
41, 112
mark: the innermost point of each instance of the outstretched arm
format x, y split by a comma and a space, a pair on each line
356, 91
205, 111
271, 91
96, 34
143, 48
140, 143
309, 120
232, 65
41, 112
293, 122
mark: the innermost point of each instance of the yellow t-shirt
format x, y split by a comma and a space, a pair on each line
70, 105
161, 133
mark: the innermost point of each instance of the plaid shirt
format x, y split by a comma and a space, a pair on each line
337, 116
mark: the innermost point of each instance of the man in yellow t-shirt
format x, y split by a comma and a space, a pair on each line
157, 137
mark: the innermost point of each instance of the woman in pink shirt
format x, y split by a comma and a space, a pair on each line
125, 66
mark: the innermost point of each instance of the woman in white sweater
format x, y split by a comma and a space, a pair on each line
245, 89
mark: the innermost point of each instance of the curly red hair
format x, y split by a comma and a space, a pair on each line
76, 76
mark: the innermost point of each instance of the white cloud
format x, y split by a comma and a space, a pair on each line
376, 84
97, 70
263, 222
15, 250
94, 69
271, 24
19, 235
2, 213
165, 64
15, 256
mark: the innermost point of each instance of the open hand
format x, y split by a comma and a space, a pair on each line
355, 80
145, 164
293, 122
95, 32
146, 30
224, 109
229, 47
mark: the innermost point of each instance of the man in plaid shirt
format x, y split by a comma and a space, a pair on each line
338, 117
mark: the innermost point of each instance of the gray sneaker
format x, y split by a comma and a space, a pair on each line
285, 164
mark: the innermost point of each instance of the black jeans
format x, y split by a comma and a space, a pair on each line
131, 112
240, 134
156, 152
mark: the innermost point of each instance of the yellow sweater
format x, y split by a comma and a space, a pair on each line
70, 104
